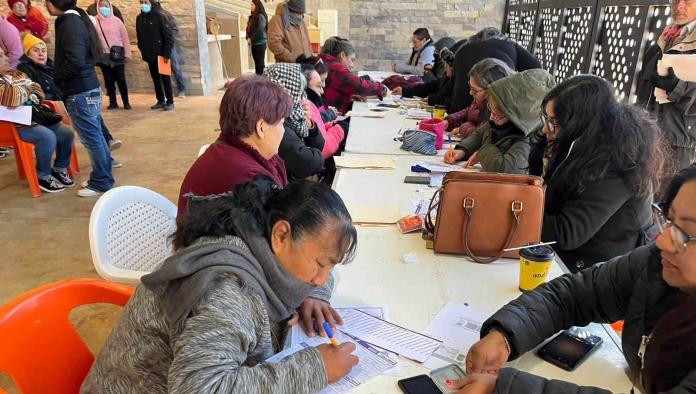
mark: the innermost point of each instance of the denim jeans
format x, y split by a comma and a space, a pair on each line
84, 109
46, 140
176, 70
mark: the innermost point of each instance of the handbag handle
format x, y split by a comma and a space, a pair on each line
433, 206
469, 203
103, 34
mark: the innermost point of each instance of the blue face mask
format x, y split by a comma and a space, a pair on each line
146, 8
106, 11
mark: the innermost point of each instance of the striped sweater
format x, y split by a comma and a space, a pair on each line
16, 88
217, 349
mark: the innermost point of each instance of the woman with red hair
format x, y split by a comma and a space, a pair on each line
27, 18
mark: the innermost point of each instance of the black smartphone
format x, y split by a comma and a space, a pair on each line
421, 384
417, 180
570, 348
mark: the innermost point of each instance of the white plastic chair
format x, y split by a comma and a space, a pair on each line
129, 233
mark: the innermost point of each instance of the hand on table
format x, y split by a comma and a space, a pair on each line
473, 160
338, 360
455, 131
397, 91
453, 156
315, 310
487, 355
358, 98
474, 384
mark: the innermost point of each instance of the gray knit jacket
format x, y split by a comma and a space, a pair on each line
219, 348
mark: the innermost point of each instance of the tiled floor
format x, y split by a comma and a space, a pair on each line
45, 239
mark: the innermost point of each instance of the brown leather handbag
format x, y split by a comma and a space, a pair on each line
481, 214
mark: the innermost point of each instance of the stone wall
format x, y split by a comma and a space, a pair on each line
193, 46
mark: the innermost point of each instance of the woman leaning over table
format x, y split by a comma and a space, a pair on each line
481, 76
601, 162
652, 289
210, 316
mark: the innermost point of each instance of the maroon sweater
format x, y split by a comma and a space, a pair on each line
227, 163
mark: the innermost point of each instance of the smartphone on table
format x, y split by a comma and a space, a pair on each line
570, 348
433, 384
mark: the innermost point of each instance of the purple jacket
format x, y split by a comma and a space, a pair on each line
10, 42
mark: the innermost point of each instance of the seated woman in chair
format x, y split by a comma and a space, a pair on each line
502, 145
214, 311
17, 89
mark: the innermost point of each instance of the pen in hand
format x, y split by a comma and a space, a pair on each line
330, 333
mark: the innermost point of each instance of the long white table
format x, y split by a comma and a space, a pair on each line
376, 135
415, 293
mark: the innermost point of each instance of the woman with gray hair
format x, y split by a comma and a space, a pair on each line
484, 73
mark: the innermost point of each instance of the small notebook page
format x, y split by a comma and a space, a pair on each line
388, 336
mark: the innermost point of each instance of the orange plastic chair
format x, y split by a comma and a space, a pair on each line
59, 107
41, 350
24, 155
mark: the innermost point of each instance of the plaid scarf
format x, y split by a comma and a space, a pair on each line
290, 77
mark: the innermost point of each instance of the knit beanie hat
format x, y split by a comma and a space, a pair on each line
297, 6
31, 41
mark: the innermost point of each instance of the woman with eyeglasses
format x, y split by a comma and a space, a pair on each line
502, 145
650, 289
463, 123
601, 162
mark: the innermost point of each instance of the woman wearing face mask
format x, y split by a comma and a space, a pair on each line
77, 48
481, 76
302, 142
215, 310
341, 85
601, 165
502, 145
27, 18
333, 133
642, 288
113, 33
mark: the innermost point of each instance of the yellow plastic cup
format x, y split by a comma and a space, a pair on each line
439, 112
535, 264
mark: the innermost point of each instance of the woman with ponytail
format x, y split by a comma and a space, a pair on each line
220, 306
341, 85
77, 48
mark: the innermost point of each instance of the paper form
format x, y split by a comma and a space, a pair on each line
20, 115
388, 336
372, 363
440, 167
374, 214
684, 68
365, 162
458, 326
366, 114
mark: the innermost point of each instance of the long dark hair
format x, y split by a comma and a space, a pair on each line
308, 206
671, 353
94, 42
688, 174
260, 10
606, 136
335, 45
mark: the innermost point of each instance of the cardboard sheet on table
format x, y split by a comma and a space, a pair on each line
365, 162
165, 68
684, 68
375, 214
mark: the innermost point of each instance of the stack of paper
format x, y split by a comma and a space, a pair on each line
416, 113
458, 326
364, 162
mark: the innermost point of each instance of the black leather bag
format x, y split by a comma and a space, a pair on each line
117, 54
44, 116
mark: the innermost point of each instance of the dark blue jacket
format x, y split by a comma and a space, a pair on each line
73, 63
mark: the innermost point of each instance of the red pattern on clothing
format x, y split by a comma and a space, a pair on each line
341, 84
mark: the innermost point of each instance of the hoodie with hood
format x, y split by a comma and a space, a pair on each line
505, 149
10, 42
111, 32
34, 21
206, 321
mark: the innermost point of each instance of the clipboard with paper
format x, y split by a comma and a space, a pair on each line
684, 67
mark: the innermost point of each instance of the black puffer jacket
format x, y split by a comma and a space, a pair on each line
302, 156
438, 92
596, 224
74, 64
629, 288
43, 75
155, 34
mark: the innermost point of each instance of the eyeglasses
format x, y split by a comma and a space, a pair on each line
678, 236
495, 115
473, 91
549, 121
